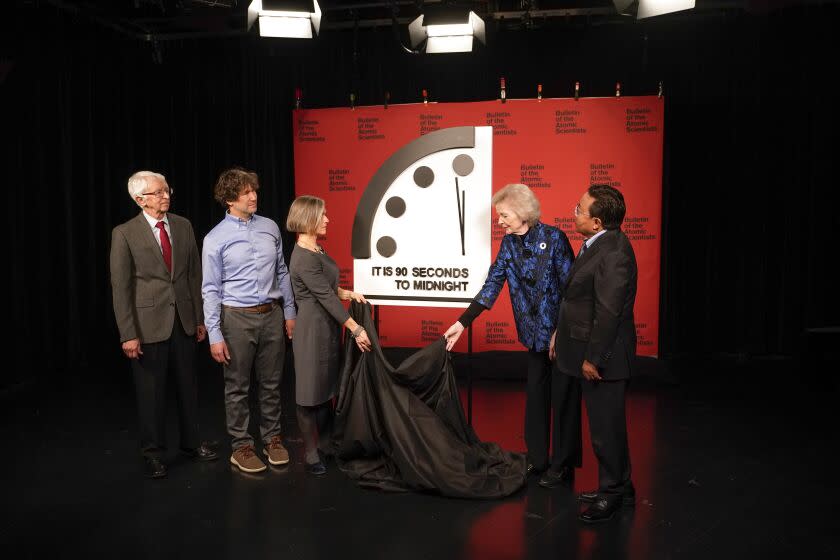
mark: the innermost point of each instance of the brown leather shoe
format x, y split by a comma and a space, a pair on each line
276, 453
246, 460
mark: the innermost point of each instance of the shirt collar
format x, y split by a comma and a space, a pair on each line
239, 221
153, 221
592, 239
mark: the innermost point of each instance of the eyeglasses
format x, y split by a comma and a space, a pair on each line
579, 212
161, 193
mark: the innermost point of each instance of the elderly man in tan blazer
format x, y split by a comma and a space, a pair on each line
156, 286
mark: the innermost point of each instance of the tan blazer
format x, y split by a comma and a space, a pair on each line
145, 294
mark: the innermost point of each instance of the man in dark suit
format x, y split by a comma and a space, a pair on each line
595, 342
156, 286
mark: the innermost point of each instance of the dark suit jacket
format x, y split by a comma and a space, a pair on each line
145, 294
595, 321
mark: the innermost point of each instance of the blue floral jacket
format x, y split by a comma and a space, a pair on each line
544, 251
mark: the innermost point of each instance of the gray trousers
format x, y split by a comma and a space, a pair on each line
256, 341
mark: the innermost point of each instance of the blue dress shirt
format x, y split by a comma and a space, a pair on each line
243, 266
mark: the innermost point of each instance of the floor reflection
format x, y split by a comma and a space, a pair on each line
540, 523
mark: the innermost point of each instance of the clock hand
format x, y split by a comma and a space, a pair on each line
463, 219
460, 202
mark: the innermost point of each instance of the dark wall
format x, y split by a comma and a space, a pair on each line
750, 188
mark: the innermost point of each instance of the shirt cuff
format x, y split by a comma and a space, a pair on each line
215, 335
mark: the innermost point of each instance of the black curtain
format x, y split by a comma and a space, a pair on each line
750, 188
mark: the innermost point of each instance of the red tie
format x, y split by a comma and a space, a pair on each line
165, 246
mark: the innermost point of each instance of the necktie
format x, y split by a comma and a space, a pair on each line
165, 246
582, 250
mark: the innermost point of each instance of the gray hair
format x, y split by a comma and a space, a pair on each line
522, 201
137, 183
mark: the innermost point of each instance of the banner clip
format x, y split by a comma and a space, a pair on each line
353, 101
577, 91
502, 94
298, 98
659, 95
425, 97
387, 98
539, 92
618, 89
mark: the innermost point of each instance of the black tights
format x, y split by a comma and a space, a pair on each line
315, 423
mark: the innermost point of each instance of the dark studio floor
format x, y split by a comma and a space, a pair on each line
731, 464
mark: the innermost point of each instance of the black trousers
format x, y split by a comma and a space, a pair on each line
547, 388
608, 430
175, 357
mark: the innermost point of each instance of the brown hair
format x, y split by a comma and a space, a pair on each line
232, 182
305, 214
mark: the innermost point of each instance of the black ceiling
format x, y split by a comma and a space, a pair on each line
184, 19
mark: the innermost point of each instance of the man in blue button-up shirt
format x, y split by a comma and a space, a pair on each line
247, 299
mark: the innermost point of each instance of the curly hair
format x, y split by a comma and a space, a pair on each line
232, 182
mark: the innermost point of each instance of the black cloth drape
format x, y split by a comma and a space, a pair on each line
403, 428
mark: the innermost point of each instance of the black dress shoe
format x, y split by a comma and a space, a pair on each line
153, 468
554, 478
590, 497
600, 510
534, 468
316, 469
201, 453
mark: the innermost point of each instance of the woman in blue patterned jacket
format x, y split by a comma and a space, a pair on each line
535, 260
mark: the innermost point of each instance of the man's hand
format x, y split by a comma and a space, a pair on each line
220, 353
290, 327
131, 348
452, 334
200, 333
590, 372
552, 353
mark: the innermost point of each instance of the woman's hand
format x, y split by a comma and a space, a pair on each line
452, 334
362, 341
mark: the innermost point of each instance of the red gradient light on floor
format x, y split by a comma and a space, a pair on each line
498, 416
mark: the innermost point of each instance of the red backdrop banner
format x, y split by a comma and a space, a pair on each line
558, 147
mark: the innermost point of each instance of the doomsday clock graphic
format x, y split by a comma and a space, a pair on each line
421, 234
